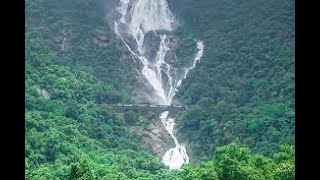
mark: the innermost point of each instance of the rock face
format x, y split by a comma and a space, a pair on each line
101, 39
155, 138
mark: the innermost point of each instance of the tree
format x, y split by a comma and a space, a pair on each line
81, 171
41, 173
236, 162
285, 169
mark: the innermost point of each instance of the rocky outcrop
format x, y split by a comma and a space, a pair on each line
44, 93
101, 38
64, 38
155, 138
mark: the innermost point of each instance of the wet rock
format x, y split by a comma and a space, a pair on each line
155, 138
170, 57
151, 46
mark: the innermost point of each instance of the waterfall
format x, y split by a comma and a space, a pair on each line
137, 19
177, 156
197, 58
145, 16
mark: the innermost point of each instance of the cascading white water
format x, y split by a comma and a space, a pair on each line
142, 17
138, 18
197, 58
177, 156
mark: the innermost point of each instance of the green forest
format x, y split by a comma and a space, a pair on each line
240, 120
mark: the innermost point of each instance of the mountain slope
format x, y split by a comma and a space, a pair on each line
242, 91
243, 88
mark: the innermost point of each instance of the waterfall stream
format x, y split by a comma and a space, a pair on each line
137, 19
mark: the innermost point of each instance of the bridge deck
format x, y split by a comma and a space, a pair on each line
152, 107
147, 105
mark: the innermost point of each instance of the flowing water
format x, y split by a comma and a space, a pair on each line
177, 156
138, 19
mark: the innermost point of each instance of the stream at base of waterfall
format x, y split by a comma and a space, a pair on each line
136, 19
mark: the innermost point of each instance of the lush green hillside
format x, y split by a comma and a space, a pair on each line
68, 136
242, 91
90, 43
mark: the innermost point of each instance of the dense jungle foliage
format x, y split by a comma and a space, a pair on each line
240, 124
245, 82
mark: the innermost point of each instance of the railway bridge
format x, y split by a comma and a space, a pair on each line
148, 107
